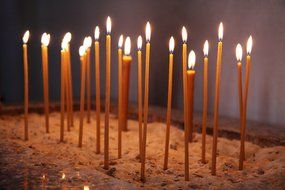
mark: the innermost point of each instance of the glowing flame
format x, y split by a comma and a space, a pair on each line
239, 52
81, 50
63, 176
221, 31
97, 33
191, 60
139, 43
87, 42
147, 32
67, 37
171, 44
45, 39
121, 40
108, 25
86, 187
26, 36
64, 44
127, 48
249, 45
206, 48
184, 34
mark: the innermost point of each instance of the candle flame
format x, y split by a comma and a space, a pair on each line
82, 50
64, 44
147, 32
239, 52
87, 42
127, 49
191, 60
171, 44
121, 41
97, 33
184, 34
206, 48
249, 45
26, 36
139, 43
63, 176
86, 187
67, 37
108, 25
221, 31
45, 39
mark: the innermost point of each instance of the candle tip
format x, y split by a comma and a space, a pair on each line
121, 41
108, 25
45, 39
97, 33
139, 43
249, 45
67, 37
147, 31
26, 36
184, 34
81, 50
127, 48
191, 60
221, 31
171, 44
206, 48
239, 52
87, 42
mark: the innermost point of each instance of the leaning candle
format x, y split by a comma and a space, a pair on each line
126, 61
45, 42
146, 91
120, 54
169, 98
139, 45
239, 69
107, 93
217, 97
82, 53
97, 84
247, 70
205, 101
88, 42
186, 127
26, 82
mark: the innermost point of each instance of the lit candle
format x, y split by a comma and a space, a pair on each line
217, 97
107, 93
169, 98
45, 42
205, 101
88, 42
239, 69
146, 92
82, 53
120, 93
139, 45
185, 109
97, 72
26, 82
126, 68
247, 70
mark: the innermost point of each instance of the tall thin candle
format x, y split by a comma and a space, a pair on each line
88, 43
120, 93
139, 45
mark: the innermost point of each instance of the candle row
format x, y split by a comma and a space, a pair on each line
124, 61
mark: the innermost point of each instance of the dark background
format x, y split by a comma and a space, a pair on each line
264, 19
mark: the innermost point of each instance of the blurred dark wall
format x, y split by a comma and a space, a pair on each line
264, 19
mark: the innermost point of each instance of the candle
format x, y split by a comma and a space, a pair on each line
247, 70
97, 72
62, 88
45, 42
185, 109
169, 98
146, 91
26, 82
126, 62
107, 93
88, 42
217, 97
82, 53
120, 52
139, 45
205, 101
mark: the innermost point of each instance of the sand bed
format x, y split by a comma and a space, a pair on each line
44, 162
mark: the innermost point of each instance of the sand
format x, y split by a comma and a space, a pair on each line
43, 162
